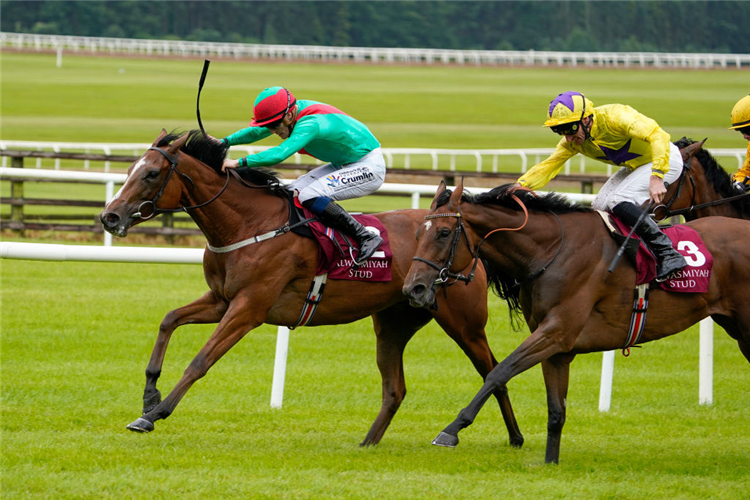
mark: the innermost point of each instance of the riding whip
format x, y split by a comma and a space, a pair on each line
621, 251
200, 87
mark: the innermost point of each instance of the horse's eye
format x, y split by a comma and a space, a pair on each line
444, 232
152, 174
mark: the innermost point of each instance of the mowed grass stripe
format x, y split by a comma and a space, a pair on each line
125, 97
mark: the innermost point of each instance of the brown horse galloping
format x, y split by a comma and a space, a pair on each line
704, 188
268, 282
549, 259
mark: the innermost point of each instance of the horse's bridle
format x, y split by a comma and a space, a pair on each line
172, 169
444, 272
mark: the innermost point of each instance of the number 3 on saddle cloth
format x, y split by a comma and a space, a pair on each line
692, 279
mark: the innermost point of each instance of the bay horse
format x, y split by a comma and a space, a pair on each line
268, 282
548, 258
703, 189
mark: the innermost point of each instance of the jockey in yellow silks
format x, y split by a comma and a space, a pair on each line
619, 135
741, 123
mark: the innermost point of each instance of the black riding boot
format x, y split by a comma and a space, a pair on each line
668, 259
337, 218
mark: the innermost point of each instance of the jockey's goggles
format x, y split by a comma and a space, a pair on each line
566, 128
744, 130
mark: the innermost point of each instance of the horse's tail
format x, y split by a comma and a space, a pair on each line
507, 289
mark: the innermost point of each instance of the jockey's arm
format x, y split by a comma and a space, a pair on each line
540, 174
743, 172
246, 135
302, 135
646, 129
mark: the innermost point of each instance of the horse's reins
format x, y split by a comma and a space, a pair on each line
444, 273
692, 207
705, 205
172, 169
667, 206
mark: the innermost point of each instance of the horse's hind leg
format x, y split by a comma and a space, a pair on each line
738, 328
556, 372
394, 328
207, 309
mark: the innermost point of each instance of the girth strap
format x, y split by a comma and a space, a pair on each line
638, 319
312, 301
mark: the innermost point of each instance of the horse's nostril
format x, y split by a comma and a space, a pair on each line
110, 218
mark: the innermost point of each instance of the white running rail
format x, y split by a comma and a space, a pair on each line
182, 48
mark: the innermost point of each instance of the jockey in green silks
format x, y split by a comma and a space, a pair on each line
355, 167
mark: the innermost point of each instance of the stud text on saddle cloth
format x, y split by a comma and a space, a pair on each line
694, 278
338, 265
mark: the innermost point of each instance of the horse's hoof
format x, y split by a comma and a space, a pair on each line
445, 439
141, 425
516, 442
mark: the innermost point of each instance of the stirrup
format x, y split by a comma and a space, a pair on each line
360, 260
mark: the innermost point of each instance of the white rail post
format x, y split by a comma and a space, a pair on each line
605, 389
279, 367
706, 362
415, 200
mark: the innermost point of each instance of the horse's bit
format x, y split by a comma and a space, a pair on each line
172, 169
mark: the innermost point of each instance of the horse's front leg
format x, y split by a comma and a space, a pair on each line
207, 309
540, 345
465, 325
556, 372
239, 319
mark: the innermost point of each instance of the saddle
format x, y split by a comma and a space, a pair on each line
693, 279
335, 249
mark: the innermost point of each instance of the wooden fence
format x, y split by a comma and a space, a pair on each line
171, 225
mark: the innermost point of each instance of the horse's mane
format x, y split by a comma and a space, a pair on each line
503, 285
213, 152
717, 176
503, 196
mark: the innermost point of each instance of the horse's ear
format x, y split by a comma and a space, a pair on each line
177, 144
688, 151
440, 190
161, 136
457, 193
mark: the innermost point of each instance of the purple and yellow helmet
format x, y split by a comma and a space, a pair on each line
568, 107
271, 105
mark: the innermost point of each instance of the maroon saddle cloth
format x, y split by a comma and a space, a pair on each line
335, 257
694, 278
